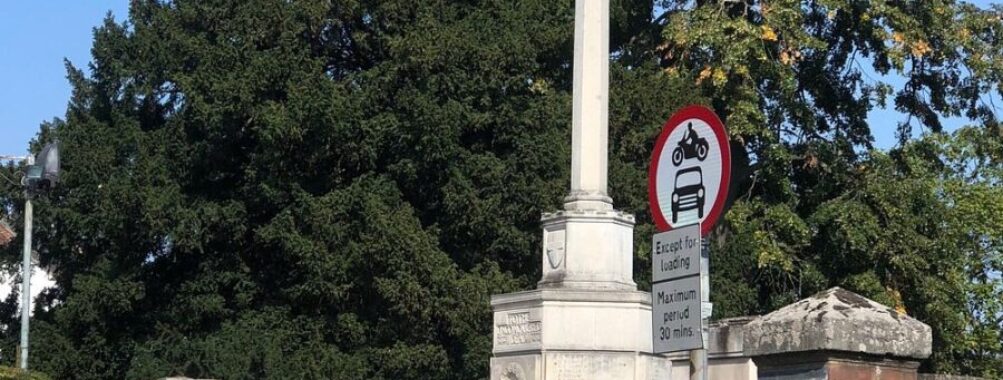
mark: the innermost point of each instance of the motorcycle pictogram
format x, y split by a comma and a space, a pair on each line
690, 146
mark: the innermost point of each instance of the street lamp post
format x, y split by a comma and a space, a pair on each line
38, 179
26, 270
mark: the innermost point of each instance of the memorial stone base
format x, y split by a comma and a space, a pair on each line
574, 334
586, 319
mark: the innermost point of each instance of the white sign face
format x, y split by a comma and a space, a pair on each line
690, 171
690, 182
675, 253
675, 315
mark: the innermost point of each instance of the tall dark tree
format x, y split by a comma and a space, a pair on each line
271, 189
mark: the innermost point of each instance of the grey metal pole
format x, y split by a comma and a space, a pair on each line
26, 276
698, 358
698, 364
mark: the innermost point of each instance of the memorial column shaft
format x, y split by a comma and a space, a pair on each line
586, 319
590, 120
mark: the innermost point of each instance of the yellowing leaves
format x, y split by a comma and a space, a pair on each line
920, 48
704, 74
789, 56
964, 33
769, 254
742, 70
896, 297
720, 77
717, 75
900, 308
810, 161
898, 37
768, 33
539, 86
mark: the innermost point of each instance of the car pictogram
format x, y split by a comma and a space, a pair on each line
688, 193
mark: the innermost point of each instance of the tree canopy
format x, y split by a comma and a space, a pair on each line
795, 82
271, 189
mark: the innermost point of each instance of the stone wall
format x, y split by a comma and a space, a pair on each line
930, 376
833, 335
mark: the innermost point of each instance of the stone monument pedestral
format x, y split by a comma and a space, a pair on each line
586, 319
573, 334
601, 247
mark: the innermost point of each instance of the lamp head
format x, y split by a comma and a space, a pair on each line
44, 174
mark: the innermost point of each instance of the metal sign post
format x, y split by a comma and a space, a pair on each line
698, 357
688, 185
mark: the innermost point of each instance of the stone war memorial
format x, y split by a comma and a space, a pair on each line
587, 319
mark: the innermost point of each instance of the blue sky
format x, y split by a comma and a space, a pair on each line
35, 36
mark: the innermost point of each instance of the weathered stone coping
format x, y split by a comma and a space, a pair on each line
838, 320
835, 322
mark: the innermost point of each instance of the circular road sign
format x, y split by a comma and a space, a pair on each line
690, 170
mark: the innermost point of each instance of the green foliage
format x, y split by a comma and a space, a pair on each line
269, 189
9, 373
911, 228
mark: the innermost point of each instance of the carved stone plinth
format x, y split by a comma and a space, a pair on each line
574, 334
588, 249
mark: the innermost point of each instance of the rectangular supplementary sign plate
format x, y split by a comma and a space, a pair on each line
675, 253
675, 315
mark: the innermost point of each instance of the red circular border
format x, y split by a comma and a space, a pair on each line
709, 117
